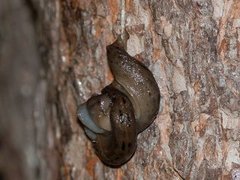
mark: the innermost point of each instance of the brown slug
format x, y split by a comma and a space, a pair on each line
125, 108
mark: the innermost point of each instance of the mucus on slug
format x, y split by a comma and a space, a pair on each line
125, 108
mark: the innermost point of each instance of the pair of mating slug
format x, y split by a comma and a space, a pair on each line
126, 107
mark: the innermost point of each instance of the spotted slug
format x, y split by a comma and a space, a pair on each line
126, 107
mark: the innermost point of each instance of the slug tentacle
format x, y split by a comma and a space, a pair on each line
125, 108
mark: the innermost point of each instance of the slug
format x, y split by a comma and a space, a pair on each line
113, 119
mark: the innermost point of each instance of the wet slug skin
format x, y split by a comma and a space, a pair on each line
125, 108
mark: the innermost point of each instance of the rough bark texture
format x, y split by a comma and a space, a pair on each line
191, 46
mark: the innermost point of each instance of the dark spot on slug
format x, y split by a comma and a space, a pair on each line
120, 113
111, 60
113, 97
123, 146
123, 100
129, 145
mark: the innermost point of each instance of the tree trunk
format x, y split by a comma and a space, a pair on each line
53, 58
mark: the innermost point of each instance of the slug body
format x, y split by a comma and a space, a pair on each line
134, 79
125, 108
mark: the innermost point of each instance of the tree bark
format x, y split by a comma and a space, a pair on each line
27, 143
53, 58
